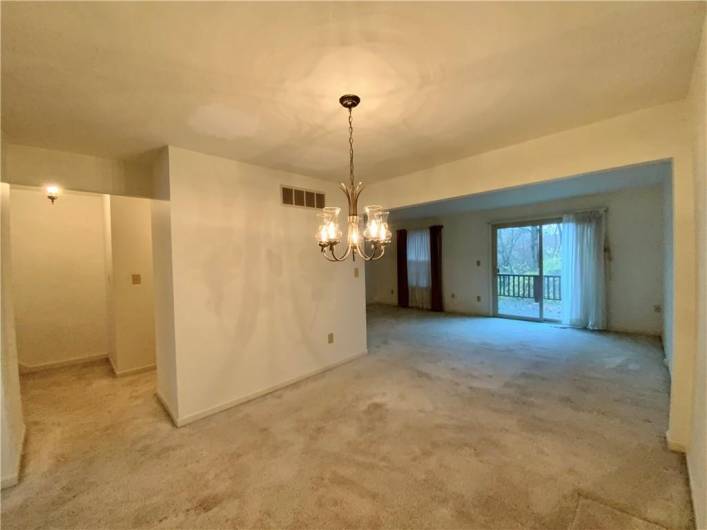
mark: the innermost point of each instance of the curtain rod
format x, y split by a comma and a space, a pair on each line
548, 217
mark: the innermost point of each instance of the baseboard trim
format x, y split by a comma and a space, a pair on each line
191, 418
458, 313
167, 408
31, 368
131, 371
11, 480
674, 445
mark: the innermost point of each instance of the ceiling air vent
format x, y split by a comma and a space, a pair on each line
303, 198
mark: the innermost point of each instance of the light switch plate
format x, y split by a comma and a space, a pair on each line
330, 338
355, 272
136, 279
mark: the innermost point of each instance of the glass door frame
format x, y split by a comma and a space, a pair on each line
494, 269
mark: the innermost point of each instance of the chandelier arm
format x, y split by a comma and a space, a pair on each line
361, 251
332, 259
332, 255
372, 256
381, 254
345, 255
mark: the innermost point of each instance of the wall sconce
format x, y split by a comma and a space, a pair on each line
53, 192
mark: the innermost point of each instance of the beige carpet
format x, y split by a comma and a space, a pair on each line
450, 422
593, 515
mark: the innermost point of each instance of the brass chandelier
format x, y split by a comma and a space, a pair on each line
376, 232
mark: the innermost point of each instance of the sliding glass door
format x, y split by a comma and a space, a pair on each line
527, 270
517, 271
551, 243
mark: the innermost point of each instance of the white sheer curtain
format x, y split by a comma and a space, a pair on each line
419, 272
583, 270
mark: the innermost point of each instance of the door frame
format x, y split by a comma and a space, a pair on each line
540, 222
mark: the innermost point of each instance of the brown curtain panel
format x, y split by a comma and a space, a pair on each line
436, 298
402, 248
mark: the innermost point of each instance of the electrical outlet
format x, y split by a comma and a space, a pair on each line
136, 279
657, 308
330, 338
453, 295
355, 272
478, 263
392, 291
478, 299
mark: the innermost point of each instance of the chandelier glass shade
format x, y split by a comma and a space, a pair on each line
372, 231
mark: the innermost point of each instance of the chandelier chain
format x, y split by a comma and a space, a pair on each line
351, 149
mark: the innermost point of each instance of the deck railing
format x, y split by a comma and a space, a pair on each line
529, 286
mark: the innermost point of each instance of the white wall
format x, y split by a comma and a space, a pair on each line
634, 233
59, 277
74, 262
668, 289
253, 299
658, 133
165, 348
697, 450
108, 266
36, 167
131, 305
13, 427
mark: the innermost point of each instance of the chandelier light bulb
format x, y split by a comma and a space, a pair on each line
353, 232
328, 232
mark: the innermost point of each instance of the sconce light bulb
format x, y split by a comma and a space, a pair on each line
53, 192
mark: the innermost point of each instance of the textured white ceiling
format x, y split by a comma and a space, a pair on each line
259, 82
